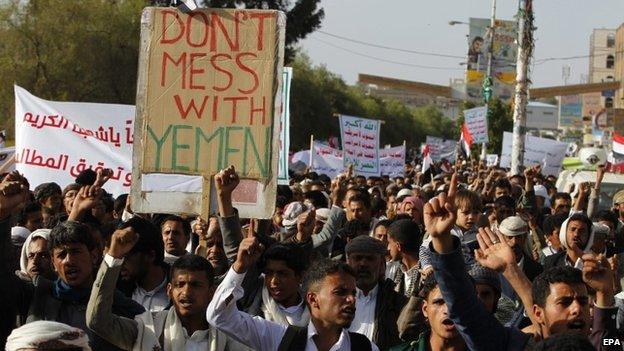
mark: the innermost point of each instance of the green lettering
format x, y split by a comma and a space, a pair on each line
229, 150
175, 146
200, 134
159, 143
264, 169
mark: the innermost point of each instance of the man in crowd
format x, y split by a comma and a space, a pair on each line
176, 234
404, 240
377, 306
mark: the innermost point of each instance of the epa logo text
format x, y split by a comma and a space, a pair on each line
610, 342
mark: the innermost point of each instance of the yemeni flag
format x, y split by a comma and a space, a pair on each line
615, 160
427, 161
465, 141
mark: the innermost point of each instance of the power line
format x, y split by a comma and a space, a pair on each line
567, 58
386, 60
389, 47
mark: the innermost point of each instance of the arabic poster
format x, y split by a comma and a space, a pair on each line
476, 120
440, 149
537, 151
392, 161
327, 160
282, 171
360, 142
491, 160
55, 141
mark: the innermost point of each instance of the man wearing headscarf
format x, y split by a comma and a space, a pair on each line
48, 336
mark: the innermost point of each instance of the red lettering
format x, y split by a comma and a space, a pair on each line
235, 101
215, 106
204, 23
166, 27
191, 105
261, 16
181, 60
213, 61
245, 68
194, 71
254, 110
215, 21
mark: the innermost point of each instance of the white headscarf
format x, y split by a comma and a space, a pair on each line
37, 335
563, 236
39, 233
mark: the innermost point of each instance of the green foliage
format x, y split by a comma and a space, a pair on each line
500, 119
302, 18
83, 50
318, 94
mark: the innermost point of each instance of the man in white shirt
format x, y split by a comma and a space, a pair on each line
329, 293
176, 234
181, 328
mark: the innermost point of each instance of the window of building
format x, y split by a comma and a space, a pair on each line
610, 61
609, 102
609, 79
610, 40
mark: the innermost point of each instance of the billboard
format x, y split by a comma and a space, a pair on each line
504, 49
570, 111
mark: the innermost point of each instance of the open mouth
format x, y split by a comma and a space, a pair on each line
448, 324
71, 273
577, 324
186, 303
349, 311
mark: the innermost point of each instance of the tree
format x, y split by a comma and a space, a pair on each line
69, 50
302, 18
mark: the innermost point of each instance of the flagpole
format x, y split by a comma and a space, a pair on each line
311, 151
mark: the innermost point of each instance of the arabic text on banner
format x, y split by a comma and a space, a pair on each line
538, 151
360, 142
476, 120
327, 160
55, 141
442, 149
392, 161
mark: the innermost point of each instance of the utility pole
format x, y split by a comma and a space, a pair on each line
525, 51
488, 82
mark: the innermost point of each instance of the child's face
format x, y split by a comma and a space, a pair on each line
467, 217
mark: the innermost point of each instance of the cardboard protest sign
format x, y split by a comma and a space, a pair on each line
360, 142
208, 96
327, 160
537, 151
282, 172
392, 161
55, 141
476, 120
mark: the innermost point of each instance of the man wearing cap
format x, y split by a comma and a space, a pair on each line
618, 206
377, 304
515, 231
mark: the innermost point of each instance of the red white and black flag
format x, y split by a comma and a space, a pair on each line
615, 160
465, 141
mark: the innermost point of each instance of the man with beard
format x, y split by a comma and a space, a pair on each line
144, 275
441, 333
330, 290
176, 233
577, 237
182, 327
377, 306
515, 230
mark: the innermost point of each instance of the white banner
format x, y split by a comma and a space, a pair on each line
282, 173
491, 160
327, 160
392, 161
546, 152
440, 148
55, 141
360, 142
476, 120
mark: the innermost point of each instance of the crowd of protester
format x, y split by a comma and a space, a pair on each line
469, 259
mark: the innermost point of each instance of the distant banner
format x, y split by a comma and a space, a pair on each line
537, 151
55, 141
504, 50
570, 111
327, 160
392, 161
282, 173
442, 149
476, 120
491, 160
360, 142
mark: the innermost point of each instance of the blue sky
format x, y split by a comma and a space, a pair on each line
563, 29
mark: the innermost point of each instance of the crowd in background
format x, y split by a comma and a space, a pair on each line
467, 257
